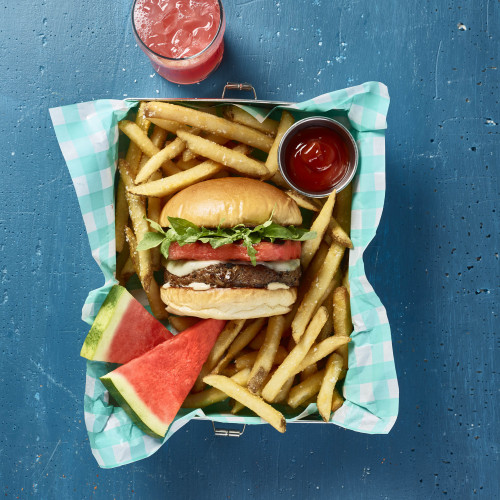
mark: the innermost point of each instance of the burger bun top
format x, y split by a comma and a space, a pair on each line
230, 201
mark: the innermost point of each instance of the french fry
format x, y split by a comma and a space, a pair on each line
267, 353
121, 215
186, 165
308, 371
257, 342
210, 396
153, 291
287, 120
327, 330
134, 153
154, 210
238, 115
245, 397
307, 402
325, 395
141, 120
240, 342
127, 271
342, 321
156, 161
277, 178
342, 209
224, 340
209, 123
158, 137
302, 201
337, 401
288, 367
228, 157
133, 158
337, 234
319, 287
284, 391
310, 247
218, 139
122, 257
230, 370
168, 125
188, 155
169, 168
181, 323
243, 149
237, 407
138, 137
177, 182
321, 350
247, 360
306, 389
137, 211
306, 280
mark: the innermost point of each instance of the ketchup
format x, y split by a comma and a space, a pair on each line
316, 159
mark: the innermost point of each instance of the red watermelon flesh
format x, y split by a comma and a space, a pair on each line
152, 387
122, 330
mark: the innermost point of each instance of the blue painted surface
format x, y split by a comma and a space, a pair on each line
434, 262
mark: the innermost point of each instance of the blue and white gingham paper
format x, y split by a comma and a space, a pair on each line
88, 136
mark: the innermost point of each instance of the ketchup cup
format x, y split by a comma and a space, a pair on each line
317, 155
182, 38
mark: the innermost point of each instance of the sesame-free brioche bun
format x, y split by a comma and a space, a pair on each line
229, 303
230, 201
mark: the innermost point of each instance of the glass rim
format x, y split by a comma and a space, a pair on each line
221, 22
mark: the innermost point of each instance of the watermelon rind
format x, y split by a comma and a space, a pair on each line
108, 318
126, 397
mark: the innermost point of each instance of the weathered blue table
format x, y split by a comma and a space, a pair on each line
434, 262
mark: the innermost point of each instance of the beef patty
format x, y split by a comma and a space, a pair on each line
230, 275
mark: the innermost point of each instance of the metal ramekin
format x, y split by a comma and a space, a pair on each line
320, 121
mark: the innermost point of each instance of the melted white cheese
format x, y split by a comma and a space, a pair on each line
184, 267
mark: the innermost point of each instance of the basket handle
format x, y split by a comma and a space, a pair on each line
239, 86
228, 432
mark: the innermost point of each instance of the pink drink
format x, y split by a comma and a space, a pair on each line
182, 38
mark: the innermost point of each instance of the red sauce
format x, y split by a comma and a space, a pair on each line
316, 159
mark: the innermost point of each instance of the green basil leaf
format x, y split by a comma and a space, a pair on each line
181, 225
165, 247
155, 225
150, 240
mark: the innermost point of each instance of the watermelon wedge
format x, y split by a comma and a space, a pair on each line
152, 387
122, 330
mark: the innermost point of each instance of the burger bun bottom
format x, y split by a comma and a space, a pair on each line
229, 303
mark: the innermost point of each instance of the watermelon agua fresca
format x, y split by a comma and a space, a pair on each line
152, 387
122, 330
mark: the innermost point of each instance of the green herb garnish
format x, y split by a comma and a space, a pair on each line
184, 232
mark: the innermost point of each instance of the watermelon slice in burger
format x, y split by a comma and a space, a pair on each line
122, 330
152, 387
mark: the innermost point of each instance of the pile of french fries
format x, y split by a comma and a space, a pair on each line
294, 359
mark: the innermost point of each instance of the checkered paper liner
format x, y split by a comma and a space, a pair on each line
88, 136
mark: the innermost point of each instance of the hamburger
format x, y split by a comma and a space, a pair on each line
232, 249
